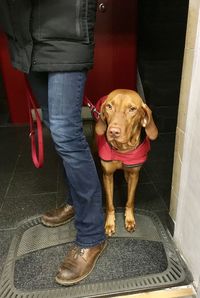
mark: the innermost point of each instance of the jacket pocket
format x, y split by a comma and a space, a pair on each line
60, 19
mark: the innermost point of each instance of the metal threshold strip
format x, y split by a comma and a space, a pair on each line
174, 292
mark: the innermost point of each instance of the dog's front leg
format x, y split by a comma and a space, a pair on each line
110, 210
131, 175
108, 170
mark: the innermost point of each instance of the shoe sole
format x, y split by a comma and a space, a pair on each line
55, 225
75, 281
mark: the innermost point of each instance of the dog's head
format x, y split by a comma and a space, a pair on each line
121, 118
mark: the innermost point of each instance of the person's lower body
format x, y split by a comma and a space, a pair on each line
63, 116
59, 216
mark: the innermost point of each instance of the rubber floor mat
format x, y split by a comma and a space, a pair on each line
132, 262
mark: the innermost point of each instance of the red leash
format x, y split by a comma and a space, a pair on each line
36, 134
93, 109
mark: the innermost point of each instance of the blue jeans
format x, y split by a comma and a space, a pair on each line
62, 113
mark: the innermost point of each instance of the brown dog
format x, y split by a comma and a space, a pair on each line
118, 129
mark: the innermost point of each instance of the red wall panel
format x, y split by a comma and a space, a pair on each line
116, 49
14, 85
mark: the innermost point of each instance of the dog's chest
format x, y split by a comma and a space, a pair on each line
131, 158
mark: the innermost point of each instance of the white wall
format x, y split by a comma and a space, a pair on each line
187, 221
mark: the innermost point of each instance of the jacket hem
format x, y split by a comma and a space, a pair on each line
56, 67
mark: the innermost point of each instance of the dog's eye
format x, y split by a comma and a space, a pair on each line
109, 106
132, 109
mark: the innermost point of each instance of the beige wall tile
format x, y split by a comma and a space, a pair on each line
185, 87
180, 135
176, 173
192, 23
186, 195
193, 13
173, 205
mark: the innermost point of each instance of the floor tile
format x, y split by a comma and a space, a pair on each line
160, 172
15, 209
147, 198
30, 183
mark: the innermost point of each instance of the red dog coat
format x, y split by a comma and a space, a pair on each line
134, 157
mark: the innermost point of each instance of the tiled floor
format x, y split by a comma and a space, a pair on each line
26, 191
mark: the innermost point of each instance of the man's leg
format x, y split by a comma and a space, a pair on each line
65, 103
39, 85
65, 94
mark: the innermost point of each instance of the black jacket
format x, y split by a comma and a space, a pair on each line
49, 35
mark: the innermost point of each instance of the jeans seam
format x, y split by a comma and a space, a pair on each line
78, 93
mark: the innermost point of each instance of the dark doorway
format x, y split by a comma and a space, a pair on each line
161, 41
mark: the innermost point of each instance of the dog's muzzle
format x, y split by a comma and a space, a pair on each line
114, 132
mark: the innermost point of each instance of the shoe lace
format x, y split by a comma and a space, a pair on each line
75, 251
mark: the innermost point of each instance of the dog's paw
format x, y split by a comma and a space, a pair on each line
109, 230
130, 224
110, 224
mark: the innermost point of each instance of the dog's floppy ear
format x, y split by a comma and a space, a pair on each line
101, 126
146, 116
149, 124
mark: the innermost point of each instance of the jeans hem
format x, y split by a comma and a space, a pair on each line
87, 245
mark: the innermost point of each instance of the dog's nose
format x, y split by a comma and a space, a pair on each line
114, 132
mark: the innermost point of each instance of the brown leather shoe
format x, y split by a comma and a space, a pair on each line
58, 217
78, 264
